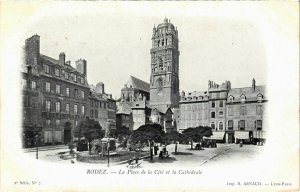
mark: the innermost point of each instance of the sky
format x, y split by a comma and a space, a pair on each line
116, 42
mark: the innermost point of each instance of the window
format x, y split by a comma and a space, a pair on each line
243, 98
96, 113
221, 113
258, 110
258, 125
82, 80
24, 83
96, 103
230, 111
230, 99
48, 105
213, 104
82, 94
47, 69
230, 125
68, 108
57, 89
57, 108
259, 98
57, 122
242, 110
100, 104
92, 103
75, 110
221, 104
33, 85
68, 91
76, 93
48, 122
75, 77
220, 125
67, 75
92, 113
82, 110
79, 79
241, 125
48, 87
76, 122
213, 125
213, 114
57, 72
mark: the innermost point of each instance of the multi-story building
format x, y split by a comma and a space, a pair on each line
103, 108
232, 114
245, 117
32, 124
59, 93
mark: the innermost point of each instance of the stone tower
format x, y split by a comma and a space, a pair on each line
164, 79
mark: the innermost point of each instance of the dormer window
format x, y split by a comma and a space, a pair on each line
243, 98
47, 69
57, 72
259, 98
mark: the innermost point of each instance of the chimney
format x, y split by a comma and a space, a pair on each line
253, 84
32, 50
81, 66
100, 88
62, 58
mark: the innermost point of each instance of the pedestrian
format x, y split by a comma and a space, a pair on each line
160, 155
155, 149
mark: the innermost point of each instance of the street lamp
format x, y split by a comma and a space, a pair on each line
36, 144
108, 143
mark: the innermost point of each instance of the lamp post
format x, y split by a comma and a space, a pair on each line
176, 147
37, 148
108, 143
151, 152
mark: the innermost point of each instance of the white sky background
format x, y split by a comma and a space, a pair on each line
218, 40
222, 45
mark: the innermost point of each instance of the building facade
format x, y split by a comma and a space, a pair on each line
233, 114
61, 93
164, 78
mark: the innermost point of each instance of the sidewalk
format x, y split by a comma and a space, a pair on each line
46, 148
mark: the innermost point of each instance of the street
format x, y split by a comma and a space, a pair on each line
223, 154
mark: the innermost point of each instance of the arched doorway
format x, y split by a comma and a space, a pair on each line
67, 132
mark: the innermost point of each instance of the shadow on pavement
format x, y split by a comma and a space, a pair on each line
157, 160
182, 153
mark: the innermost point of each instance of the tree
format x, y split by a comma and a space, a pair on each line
122, 132
196, 134
173, 136
89, 129
146, 133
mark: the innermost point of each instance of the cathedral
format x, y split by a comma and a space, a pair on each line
160, 98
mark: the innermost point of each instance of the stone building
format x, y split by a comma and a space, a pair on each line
245, 117
133, 107
61, 93
164, 78
232, 114
103, 108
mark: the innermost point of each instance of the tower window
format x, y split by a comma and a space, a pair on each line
162, 43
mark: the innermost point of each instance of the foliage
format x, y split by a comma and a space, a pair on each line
89, 129
145, 133
122, 132
197, 133
173, 136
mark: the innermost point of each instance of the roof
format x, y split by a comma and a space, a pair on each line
249, 92
195, 96
55, 62
124, 108
138, 84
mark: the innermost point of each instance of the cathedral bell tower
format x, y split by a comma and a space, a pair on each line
164, 79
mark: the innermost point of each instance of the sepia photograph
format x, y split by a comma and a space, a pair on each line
131, 96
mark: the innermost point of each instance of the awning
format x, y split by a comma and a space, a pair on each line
216, 136
241, 134
259, 134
